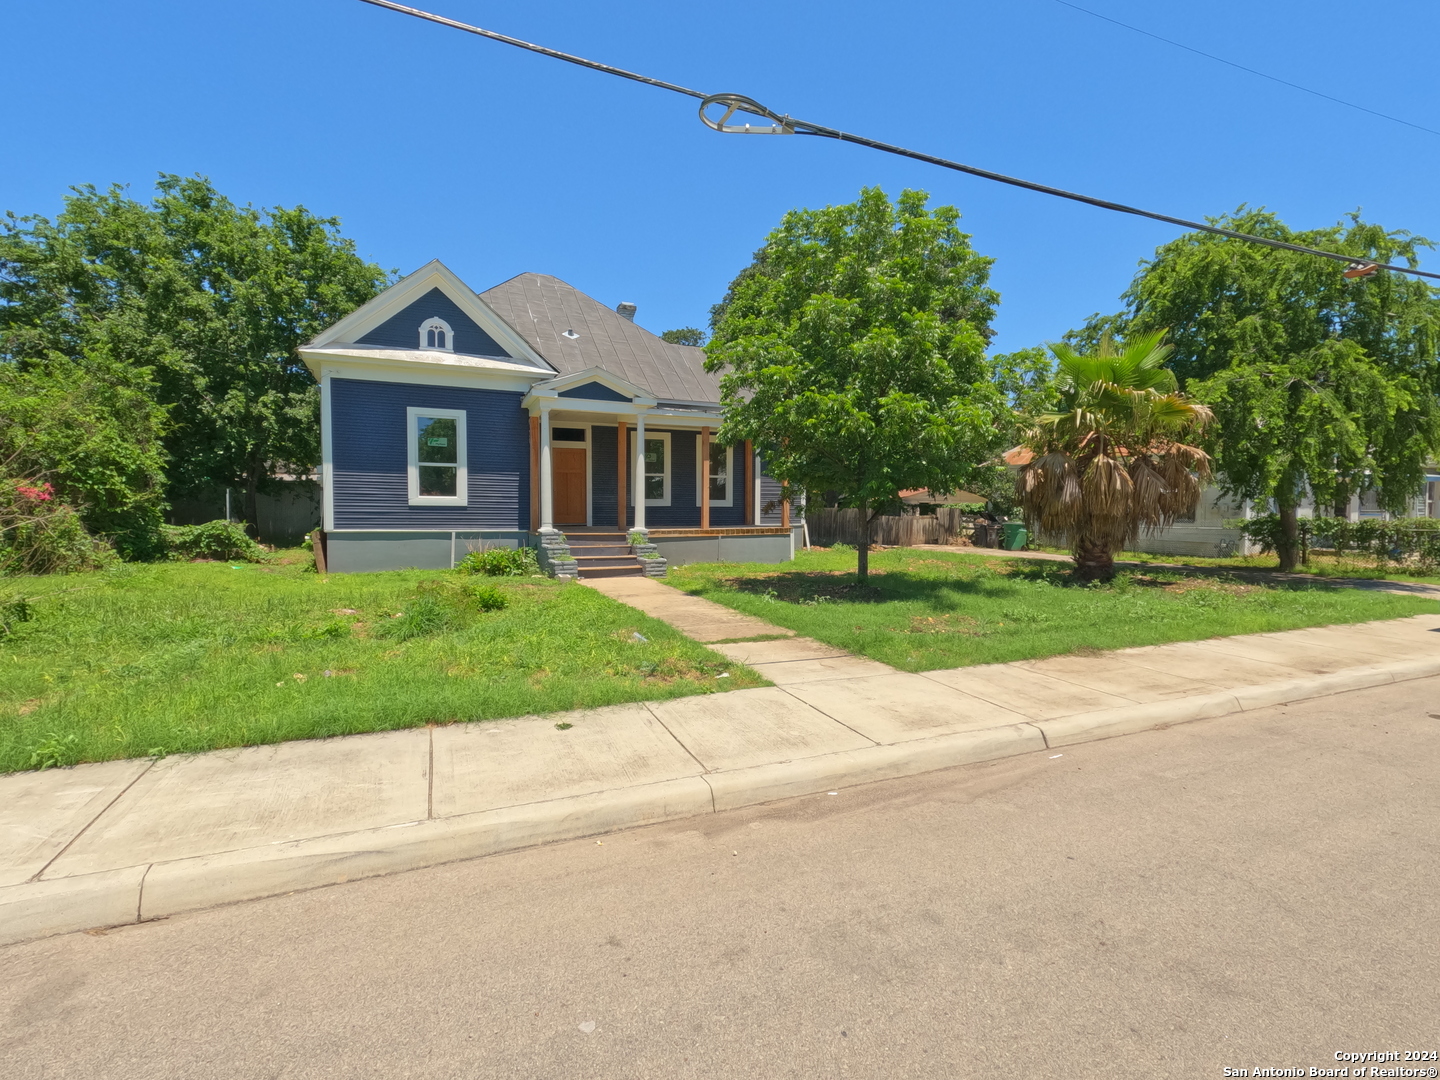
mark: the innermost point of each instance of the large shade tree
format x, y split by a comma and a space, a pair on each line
210, 298
1322, 385
852, 352
1116, 455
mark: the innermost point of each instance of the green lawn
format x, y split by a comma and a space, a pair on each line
1320, 565
159, 659
925, 610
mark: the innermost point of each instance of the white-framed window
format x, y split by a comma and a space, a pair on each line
722, 461
436, 334
657, 469
436, 457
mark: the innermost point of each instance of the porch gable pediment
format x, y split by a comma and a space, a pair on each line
594, 384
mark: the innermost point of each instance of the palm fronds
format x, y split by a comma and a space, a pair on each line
1110, 461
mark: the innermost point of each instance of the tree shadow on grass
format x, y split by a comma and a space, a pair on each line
887, 586
1236, 582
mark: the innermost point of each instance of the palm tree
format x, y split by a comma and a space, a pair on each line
1111, 459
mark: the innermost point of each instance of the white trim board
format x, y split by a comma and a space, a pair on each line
426, 374
327, 457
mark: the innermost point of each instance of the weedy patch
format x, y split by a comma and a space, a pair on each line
807, 589
952, 623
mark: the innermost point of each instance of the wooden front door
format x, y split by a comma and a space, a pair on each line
568, 474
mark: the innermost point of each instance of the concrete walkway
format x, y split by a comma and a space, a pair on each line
125, 841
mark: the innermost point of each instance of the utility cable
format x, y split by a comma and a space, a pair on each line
1250, 70
786, 125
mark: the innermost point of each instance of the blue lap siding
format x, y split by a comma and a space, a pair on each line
369, 444
604, 472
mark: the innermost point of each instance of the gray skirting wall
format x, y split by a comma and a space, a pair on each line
679, 550
356, 551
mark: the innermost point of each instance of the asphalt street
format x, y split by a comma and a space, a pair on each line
1258, 890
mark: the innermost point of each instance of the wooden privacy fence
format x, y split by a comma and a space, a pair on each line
947, 525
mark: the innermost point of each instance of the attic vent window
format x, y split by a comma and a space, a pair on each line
436, 334
571, 334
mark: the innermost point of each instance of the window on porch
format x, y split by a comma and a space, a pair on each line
656, 469
721, 460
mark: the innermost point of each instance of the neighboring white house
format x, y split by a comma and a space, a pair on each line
1207, 534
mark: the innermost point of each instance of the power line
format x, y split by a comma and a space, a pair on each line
1250, 70
787, 125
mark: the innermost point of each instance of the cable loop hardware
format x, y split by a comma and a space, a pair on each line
747, 106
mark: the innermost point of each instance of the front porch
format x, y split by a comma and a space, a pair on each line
594, 446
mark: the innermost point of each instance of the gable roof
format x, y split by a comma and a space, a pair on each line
368, 330
541, 308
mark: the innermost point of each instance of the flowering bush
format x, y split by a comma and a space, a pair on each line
39, 534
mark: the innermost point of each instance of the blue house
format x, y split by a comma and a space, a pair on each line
530, 414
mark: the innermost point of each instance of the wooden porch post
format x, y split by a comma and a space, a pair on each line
621, 470
704, 478
534, 474
749, 483
784, 506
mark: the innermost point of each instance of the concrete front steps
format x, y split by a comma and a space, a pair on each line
603, 555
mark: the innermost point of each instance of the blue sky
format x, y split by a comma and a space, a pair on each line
431, 143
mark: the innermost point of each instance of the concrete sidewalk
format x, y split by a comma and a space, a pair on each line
125, 841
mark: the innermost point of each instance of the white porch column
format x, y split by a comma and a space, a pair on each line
639, 471
547, 487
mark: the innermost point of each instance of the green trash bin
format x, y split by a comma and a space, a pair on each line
1016, 537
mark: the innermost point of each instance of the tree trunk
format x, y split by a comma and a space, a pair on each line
862, 570
1094, 561
1287, 544
252, 501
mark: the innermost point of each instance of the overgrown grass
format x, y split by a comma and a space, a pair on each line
164, 658
925, 610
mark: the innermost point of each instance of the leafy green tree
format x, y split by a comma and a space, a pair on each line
1320, 384
685, 335
852, 351
213, 298
92, 429
1111, 458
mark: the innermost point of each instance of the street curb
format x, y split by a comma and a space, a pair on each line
109, 898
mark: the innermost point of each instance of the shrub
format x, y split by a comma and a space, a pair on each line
93, 427
487, 597
39, 534
500, 562
14, 610
1398, 540
218, 539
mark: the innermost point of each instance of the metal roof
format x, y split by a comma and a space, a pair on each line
542, 309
